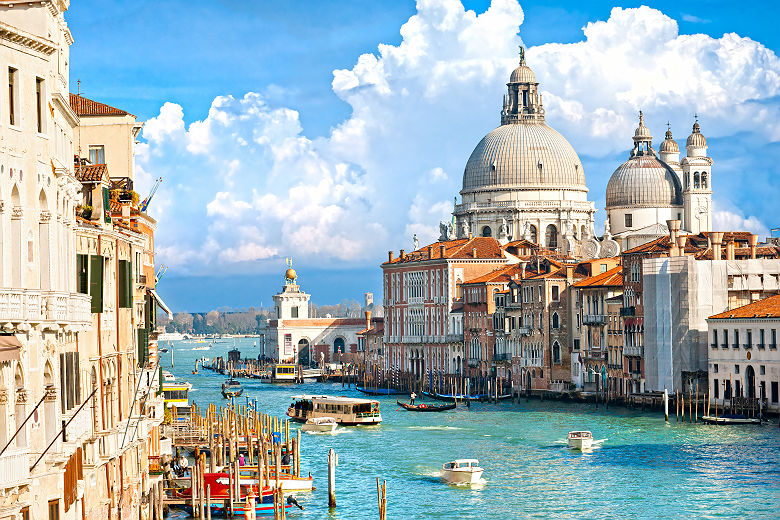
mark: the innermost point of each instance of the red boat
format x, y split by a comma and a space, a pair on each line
220, 487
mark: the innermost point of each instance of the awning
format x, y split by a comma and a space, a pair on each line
161, 303
9, 347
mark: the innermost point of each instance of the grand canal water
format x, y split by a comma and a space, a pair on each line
646, 468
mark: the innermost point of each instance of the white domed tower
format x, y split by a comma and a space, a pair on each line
697, 183
643, 192
524, 179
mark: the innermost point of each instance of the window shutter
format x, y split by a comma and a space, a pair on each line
96, 282
106, 205
77, 375
125, 284
63, 388
82, 278
143, 347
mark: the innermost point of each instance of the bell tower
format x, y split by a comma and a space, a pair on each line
291, 303
697, 183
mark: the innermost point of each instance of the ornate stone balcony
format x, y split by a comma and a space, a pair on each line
594, 319
35, 307
14, 468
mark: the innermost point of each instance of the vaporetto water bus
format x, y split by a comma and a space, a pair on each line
348, 411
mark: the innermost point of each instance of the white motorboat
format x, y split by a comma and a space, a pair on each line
581, 440
462, 471
319, 424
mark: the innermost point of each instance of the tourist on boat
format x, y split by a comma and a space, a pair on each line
285, 458
241, 461
413, 396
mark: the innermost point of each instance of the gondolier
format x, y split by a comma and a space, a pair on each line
413, 396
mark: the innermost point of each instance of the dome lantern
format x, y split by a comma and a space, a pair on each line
523, 102
696, 144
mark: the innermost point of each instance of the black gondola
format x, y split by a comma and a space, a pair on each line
426, 407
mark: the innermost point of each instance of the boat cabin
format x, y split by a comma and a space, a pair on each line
176, 394
344, 410
580, 435
462, 463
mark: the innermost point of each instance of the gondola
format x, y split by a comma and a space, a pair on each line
380, 391
426, 407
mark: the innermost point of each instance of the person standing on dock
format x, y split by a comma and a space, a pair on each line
413, 397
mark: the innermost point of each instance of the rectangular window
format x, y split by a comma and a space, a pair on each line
294, 312
736, 339
725, 338
714, 339
727, 389
25, 513
576, 344
97, 154
13, 96
749, 338
761, 339
773, 344
40, 99
629, 220
715, 368
716, 388
762, 370
555, 295
82, 277
736, 369
54, 510
775, 392
96, 282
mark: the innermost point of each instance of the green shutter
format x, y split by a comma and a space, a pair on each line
96, 282
82, 278
106, 205
125, 284
143, 347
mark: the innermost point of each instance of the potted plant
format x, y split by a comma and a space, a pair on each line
86, 211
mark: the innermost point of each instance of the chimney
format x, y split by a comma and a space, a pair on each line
442, 249
674, 229
717, 242
730, 250
681, 240
389, 256
470, 235
401, 254
753, 242
474, 252
569, 273
430, 252
368, 320
523, 264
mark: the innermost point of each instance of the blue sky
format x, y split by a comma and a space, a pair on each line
376, 154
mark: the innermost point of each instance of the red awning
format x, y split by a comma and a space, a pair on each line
9, 347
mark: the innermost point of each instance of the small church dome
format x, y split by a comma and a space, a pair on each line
696, 139
669, 145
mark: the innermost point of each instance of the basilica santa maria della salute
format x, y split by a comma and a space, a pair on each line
524, 180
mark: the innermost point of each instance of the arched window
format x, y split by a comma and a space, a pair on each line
486, 231
696, 181
534, 234
556, 352
704, 180
582, 232
551, 237
338, 345
555, 320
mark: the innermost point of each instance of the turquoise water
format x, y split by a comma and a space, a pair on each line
645, 468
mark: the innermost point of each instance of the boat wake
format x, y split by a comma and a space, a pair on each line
337, 431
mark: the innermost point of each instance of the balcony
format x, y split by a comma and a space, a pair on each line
453, 338
594, 319
714, 345
633, 351
748, 346
14, 468
521, 331
773, 345
141, 279
473, 362
80, 428
628, 311
503, 356
761, 346
34, 306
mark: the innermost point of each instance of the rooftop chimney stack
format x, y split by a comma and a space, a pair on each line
402, 254
730, 250
430, 252
717, 243
442, 249
389, 256
368, 320
523, 264
474, 252
753, 242
681, 240
674, 230
569, 273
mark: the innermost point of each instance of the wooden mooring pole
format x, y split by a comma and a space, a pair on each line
333, 461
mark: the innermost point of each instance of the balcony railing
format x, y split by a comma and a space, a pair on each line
14, 468
594, 319
773, 345
633, 351
80, 427
748, 346
761, 346
19, 305
714, 345
503, 356
141, 279
628, 311
522, 331
473, 362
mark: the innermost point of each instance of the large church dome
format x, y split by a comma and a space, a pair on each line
523, 156
524, 153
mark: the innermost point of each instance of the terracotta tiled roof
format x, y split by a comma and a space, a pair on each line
86, 107
501, 275
91, 172
766, 308
662, 245
610, 278
487, 248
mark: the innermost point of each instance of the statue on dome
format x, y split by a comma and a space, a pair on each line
464, 229
607, 229
450, 232
416, 242
503, 230
527, 230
